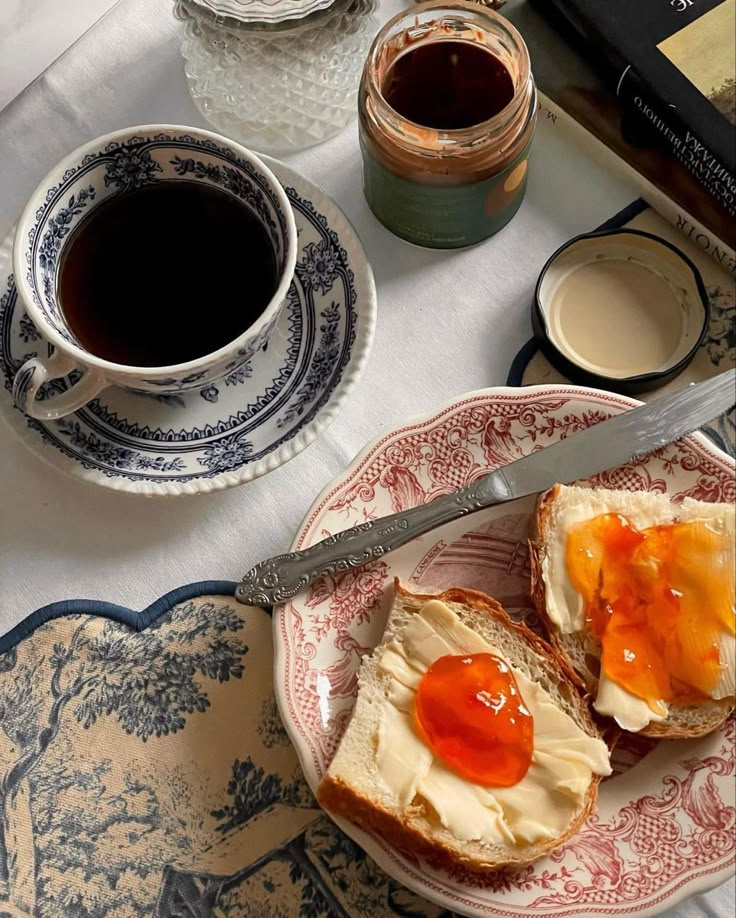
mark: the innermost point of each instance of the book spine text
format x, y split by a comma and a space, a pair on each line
723, 254
680, 141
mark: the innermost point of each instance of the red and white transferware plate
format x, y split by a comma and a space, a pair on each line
665, 822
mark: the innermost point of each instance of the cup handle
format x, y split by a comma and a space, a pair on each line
36, 371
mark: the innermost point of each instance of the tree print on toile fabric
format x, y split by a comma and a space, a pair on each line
147, 775
251, 790
150, 682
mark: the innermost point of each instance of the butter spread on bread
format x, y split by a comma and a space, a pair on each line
539, 806
690, 708
385, 776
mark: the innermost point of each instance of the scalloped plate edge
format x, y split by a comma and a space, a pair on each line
383, 854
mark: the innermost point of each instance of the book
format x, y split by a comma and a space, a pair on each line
672, 64
685, 222
581, 103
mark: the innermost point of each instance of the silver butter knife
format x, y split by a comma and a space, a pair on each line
629, 435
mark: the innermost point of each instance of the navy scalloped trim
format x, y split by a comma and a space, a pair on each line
519, 363
624, 215
137, 621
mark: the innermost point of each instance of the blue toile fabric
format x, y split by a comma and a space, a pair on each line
144, 771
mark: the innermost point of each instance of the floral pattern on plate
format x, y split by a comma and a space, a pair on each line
248, 423
664, 829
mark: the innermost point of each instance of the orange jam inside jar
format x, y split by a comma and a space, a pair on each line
471, 714
660, 599
447, 107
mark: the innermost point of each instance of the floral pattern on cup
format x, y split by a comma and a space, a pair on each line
116, 165
262, 412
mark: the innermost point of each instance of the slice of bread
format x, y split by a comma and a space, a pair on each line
581, 648
353, 787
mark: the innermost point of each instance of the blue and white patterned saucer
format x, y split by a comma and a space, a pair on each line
245, 424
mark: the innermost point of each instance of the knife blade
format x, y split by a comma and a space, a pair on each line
629, 435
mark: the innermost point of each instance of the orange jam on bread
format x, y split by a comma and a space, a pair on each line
471, 714
660, 599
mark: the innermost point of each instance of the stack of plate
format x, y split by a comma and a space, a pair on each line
276, 84
263, 10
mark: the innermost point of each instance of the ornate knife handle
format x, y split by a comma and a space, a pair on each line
281, 577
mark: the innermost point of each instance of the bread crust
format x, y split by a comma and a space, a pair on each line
673, 727
489, 606
719, 710
337, 796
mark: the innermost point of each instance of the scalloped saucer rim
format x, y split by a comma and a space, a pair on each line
328, 214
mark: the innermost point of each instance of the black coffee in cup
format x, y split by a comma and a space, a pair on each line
165, 274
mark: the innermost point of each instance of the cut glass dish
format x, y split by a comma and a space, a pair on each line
278, 88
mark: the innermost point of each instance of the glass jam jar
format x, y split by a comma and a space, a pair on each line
445, 132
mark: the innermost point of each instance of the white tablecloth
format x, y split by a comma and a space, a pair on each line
447, 323
35, 32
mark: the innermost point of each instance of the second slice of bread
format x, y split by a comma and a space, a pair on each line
582, 649
353, 789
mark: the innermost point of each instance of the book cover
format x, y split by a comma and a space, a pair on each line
580, 95
673, 62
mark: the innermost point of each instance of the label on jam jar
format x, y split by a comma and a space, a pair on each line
442, 216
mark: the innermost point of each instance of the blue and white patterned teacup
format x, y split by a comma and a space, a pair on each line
113, 165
